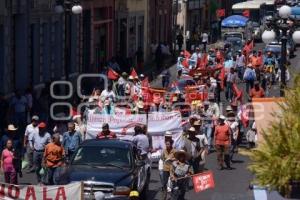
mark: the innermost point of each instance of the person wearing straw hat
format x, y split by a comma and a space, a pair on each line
167, 158
222, 142
30, 130
11, 134
192, 147
179, 173
203, 145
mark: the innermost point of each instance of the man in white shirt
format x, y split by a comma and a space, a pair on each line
204, 40
108, 93
31, 129
240, 64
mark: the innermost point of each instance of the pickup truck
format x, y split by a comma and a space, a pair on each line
109, 169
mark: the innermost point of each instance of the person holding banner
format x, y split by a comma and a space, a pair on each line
106, 133
180, 172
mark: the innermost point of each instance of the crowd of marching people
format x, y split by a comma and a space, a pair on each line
207, 126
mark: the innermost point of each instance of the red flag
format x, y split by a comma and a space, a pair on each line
246, 13
133, 73
203, 181
187, 54
220, 13
112, 75
185, 63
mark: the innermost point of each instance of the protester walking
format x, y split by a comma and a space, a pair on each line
193, 148
142, 142
30, 130
222, 143
11, 163
167, 157
180, 172
71, 141
38, 142
53, 159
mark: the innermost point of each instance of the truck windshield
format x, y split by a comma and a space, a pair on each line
103, 157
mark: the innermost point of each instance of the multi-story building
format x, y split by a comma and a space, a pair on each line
131, 28
160, 21
32, 44
98, 33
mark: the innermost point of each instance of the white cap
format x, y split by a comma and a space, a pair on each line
222, 117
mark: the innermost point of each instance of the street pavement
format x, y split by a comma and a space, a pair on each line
229, 184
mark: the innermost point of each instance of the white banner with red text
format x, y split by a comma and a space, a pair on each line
158, 123
34, 192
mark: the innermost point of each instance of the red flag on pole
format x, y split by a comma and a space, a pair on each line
246, 13
133, 73
187, 54
220, 13
112, 75
185, 63
203, 181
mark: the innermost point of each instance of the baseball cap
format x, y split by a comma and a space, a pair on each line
35, 118
42, 125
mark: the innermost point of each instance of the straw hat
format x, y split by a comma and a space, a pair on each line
130, 77
228, 108
179, 153
168, 134
222, 117
197, 123
11, 127
140, 104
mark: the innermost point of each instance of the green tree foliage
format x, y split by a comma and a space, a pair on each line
276, 161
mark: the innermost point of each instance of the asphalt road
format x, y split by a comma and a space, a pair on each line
229, 184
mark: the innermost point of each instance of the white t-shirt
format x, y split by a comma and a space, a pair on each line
30, 131
204, 37
107, 94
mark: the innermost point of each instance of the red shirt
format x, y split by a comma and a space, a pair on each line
102, 135
257, 93
222, 135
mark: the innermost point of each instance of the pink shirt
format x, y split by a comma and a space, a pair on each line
8, 161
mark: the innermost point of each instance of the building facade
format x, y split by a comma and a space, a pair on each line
32, 44
131, 29
98, 33
161, 21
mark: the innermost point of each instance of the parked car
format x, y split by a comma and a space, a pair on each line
109, 168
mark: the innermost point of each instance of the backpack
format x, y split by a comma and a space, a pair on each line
250, 76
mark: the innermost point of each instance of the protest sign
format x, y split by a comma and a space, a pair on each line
158, 123
203, 181
34, 192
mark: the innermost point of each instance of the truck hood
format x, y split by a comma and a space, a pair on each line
109, 175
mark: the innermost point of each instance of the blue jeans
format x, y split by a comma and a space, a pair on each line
164, 177
240, 72
53, 174
208, 130
249, 85
37, 161
229, 91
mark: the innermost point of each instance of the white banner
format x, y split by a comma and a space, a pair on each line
33, 192
158, 123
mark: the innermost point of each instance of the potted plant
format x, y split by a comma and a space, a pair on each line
276, 161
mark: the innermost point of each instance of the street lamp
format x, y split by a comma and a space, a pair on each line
68, 7
276, 25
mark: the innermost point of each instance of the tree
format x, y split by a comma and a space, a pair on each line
276, 161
